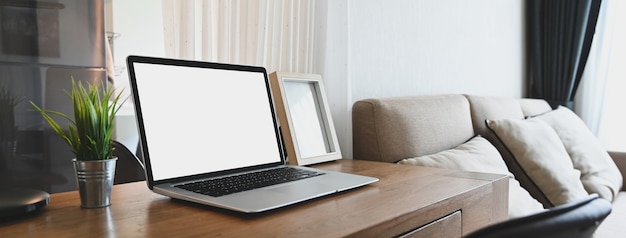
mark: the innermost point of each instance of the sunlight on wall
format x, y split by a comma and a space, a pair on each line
613, 128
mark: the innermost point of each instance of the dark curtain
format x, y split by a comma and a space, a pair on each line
560, 33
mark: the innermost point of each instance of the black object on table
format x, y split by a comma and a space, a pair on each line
17, 202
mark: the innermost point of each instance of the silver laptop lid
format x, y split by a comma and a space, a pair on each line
199, 119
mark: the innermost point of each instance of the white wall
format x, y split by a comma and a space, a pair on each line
333, 65
379, 48
376, 48
140, 26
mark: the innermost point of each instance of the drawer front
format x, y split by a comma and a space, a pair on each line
448, 226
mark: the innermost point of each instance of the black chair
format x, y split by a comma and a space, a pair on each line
129, 168
576, 219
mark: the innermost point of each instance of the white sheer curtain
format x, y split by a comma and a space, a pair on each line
276, 34
590, 95
600, 97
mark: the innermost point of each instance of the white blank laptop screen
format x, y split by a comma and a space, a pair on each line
200, 120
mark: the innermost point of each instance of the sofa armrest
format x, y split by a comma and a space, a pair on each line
620, 161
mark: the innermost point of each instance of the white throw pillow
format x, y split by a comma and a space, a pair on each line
599, 174
540, 153
478, 155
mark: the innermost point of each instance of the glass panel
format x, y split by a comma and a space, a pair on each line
42, 45
307, 118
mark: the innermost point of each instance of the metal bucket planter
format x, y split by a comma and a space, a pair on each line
95, 181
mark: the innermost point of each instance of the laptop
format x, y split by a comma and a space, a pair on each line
202, 121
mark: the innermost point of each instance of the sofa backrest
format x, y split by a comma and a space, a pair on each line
391, 129
396, 128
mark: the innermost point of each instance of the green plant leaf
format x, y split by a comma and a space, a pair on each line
90, 132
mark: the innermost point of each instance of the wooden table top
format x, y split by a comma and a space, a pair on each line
403, 192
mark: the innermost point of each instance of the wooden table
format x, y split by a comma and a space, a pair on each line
426, 201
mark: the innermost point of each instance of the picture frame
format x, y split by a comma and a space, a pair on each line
304, 115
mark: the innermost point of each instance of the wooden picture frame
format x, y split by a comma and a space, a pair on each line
303, 113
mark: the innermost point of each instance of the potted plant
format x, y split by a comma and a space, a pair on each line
89, 135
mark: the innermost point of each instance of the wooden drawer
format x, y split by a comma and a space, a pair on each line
448, 226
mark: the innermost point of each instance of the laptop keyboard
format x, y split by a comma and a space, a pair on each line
238, 183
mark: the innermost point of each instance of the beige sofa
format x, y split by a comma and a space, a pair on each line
394, 129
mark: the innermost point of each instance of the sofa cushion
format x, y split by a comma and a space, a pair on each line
539, 151
478, 155
489, 107
599, 174
613, 225
533, 106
